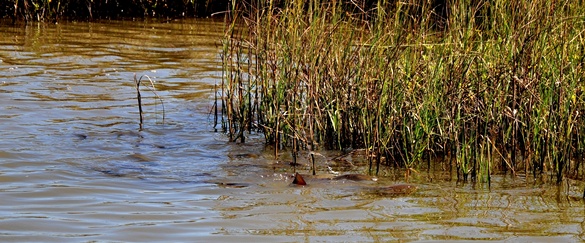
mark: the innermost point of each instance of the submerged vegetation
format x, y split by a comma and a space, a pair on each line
488, 85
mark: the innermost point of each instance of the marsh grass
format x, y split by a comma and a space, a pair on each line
492, 85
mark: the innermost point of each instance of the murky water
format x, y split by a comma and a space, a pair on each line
75, 167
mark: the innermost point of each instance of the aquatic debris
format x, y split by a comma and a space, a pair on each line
299, 180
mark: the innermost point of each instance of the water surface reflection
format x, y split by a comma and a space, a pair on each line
74, 166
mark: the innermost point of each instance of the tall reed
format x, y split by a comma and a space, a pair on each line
492, 85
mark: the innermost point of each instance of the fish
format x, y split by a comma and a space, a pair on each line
396, 190
298, 180
355, 177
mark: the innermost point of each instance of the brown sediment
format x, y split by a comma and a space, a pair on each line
355, 177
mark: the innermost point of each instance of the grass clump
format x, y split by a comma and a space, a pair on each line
491, 85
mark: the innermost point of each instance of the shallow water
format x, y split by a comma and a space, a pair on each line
75, 167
